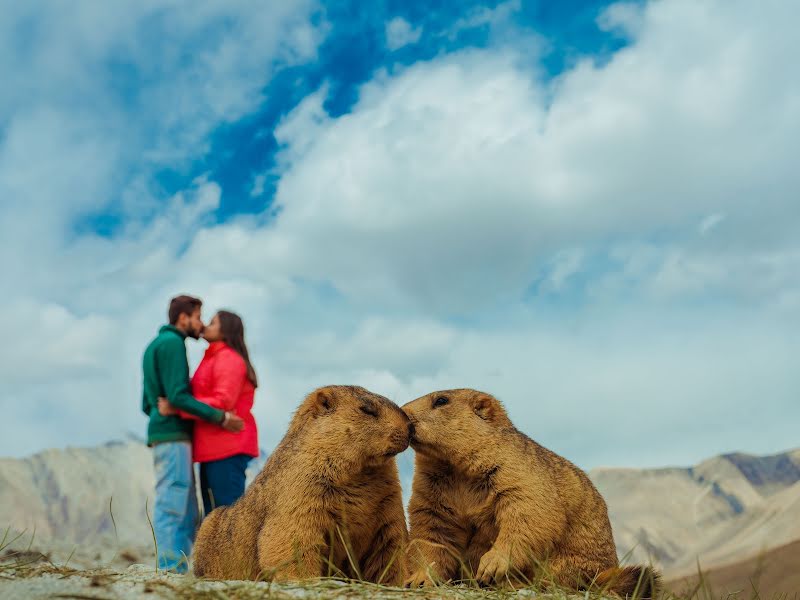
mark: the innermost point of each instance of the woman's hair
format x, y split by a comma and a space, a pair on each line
232, 330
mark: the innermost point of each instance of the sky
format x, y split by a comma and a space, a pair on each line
590, 210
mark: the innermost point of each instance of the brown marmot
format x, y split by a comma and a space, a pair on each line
488, 503
327, 502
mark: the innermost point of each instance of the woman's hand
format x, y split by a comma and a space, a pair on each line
165, 409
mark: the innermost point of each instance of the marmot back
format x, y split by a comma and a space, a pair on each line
491, 504
331, 481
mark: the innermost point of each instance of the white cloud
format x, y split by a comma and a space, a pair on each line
565, 264
626, 18
400, 33
409, 234
454, 184
258, 185
710, 222
94, 101
143, 83
498, 17
437, 191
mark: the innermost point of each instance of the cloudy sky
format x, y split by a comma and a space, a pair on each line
588, 209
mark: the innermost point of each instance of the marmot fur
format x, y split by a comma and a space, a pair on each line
491, 504
328, 501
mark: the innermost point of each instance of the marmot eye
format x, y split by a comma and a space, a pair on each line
369, 410
440, 401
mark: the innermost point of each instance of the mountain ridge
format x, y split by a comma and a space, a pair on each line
726, 508
722, 509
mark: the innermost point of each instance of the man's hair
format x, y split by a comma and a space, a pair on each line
180, 305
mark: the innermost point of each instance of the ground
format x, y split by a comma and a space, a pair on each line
44, 580
95, 572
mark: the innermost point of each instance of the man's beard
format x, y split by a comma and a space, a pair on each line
194, 333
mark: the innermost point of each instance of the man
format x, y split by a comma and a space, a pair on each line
166, 373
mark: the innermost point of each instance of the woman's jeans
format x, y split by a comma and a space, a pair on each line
222, 481
175, 515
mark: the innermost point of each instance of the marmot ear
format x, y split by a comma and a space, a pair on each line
484, 406
323, 403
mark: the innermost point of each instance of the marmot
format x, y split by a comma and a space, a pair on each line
328, 501
491, 504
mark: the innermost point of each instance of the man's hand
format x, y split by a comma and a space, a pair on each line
165, 409
232, 423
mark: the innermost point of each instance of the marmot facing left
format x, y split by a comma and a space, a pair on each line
328, 500
490, 503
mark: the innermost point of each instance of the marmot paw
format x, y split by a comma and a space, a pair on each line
419, 579
494, 567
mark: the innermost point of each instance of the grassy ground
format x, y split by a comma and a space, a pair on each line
32, 578
52, 581
29, 573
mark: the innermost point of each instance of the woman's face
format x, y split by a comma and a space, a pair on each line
212, 331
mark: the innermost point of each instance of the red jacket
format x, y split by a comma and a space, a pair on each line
221, 381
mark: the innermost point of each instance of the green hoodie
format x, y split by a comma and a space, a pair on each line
166, 373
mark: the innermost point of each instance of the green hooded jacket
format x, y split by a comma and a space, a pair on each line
166, 373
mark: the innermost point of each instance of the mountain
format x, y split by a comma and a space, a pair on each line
70, 494
775, 573
722, 510
725, 509
67, 494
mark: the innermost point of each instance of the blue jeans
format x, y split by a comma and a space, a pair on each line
175, 516
222, 481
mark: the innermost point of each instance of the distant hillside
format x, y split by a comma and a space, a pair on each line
66, 494
773, 573
725, 509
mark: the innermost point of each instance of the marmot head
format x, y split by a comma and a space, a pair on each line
353, 424
449, 422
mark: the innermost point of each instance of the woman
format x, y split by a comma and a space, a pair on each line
225, 379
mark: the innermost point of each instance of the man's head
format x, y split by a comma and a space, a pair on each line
184, 314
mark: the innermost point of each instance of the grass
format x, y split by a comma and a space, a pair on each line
20, 561
69, 582
103, 583
178, 587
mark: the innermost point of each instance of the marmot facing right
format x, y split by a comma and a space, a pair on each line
328, 500
490, 503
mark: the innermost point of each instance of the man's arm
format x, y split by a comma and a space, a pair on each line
232, 422
145, 404
230, 372
174, 369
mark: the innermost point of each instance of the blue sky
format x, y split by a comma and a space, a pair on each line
354, 48
589, 209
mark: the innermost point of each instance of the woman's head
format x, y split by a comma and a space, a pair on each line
228, 327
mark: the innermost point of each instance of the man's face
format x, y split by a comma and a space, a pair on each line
191, 325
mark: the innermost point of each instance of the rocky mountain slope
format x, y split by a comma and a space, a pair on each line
69, 495
722, 510
725, 509
775, 574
